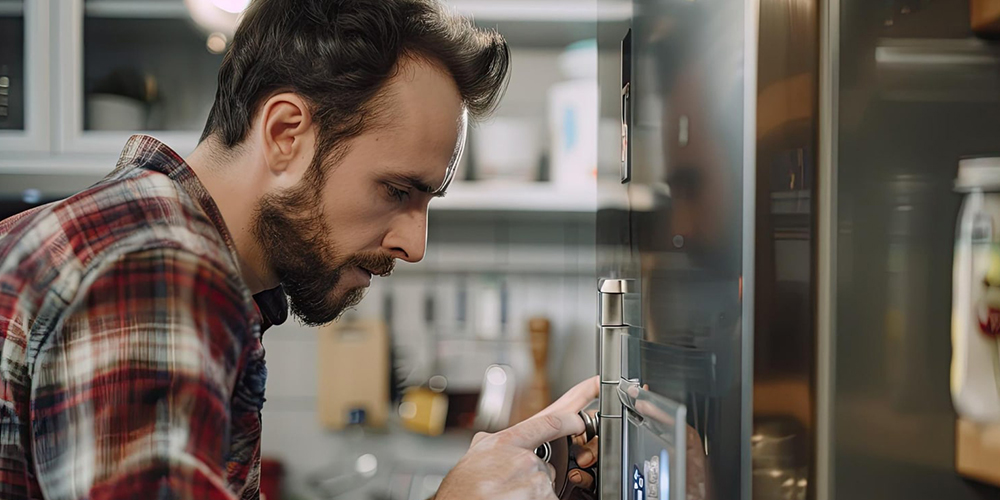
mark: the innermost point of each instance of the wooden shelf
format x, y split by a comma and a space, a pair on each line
977, 451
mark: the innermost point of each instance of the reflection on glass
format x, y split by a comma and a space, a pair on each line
683, 238
664, 461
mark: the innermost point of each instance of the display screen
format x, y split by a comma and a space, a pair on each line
638, 484
651, 479
654, 446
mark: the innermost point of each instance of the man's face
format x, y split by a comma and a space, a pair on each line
324, 243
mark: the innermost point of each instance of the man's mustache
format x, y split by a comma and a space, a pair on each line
377, 263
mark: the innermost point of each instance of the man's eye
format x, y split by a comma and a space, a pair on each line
396, 193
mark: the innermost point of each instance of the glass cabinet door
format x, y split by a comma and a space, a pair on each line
12, 78
146, 66
142, 66
24, 78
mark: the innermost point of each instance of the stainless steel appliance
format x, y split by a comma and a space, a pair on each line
752, 265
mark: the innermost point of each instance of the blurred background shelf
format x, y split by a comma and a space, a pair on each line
481, 10
937, 51
517, 196
137, 9
935, 70
525, 23
55, 176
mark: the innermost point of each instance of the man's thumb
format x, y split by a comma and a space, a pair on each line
539, 429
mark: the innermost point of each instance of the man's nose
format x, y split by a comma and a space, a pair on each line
407, 240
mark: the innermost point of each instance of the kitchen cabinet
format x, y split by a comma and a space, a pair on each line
131, 66
24, 42
86, 74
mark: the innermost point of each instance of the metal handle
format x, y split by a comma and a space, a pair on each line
609, 446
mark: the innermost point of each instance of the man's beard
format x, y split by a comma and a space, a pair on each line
296, 245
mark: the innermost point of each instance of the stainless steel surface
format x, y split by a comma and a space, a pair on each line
770, 143
609, 458
612, 329
755, 15
784, 336
681, 235
900, 133
613, 301
611, 359
826, 244
613, 287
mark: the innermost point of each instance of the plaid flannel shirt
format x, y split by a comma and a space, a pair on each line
131, 363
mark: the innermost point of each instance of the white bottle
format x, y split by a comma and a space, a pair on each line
573, 118
975, 367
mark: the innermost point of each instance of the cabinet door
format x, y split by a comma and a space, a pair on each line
24, 44
136, 66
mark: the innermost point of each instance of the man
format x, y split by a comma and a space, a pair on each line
131, 314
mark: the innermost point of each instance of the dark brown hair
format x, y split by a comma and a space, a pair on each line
338, 55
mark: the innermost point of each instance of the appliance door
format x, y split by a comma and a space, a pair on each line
655, 449
673, 221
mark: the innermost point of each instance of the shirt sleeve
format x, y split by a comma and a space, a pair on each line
131, 395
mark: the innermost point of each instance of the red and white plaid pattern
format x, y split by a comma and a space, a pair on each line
131, 364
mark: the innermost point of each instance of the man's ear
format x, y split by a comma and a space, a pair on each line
288, 138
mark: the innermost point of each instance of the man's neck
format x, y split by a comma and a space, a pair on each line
235, 191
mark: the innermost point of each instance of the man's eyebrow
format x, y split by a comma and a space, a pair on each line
416, 183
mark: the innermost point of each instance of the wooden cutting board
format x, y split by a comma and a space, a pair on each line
353, 370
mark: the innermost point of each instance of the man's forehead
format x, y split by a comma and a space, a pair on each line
422, 110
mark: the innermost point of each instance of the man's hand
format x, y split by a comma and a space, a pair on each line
503, 465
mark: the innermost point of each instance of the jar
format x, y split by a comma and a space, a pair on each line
975, 368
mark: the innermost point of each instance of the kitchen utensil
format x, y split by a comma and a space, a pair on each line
537, 395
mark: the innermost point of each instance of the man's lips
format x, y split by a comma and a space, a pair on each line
377, 272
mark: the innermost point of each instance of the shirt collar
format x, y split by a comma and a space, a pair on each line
143, 151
